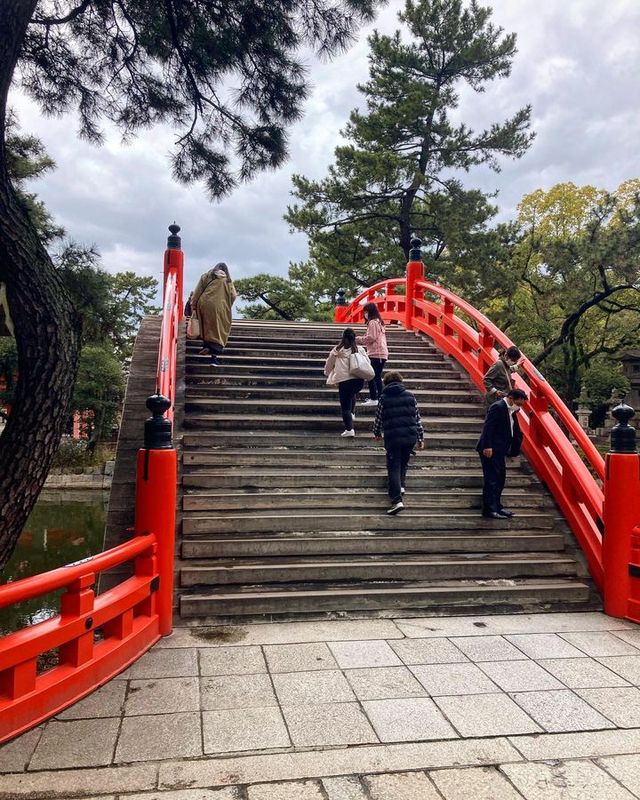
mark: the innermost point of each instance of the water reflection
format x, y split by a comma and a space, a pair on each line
58, 532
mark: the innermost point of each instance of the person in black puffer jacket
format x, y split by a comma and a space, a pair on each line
398, 418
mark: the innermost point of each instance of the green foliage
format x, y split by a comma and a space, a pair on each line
74, 456
8, 368
273, 297
396, 176
601, 379
570, 293
226, 75
99, 389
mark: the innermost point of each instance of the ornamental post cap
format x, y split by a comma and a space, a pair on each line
341, 301
623, 435
173, 241
415, 254
415, 242
158, 404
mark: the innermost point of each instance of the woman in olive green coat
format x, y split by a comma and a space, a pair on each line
211, 303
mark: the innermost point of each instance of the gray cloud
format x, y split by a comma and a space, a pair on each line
577, 65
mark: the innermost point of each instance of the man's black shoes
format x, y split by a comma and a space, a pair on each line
505, 512
494, 515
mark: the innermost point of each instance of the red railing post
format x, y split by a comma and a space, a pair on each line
415, 272
621, 514
156, 501
174, 259
340, 312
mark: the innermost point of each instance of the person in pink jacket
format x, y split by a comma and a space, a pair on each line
375, 340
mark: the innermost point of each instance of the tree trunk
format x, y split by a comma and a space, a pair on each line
46, 327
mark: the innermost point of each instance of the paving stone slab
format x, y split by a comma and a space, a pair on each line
628, 667
296, 790
559, 746
621, 706
384, 683
104, 702
310, 688
351, 655
162, 696
582, 673
445, 679
405, 785
281, 633
150, 738
488, 648
159, 663
625, 769
77, 743
407, 720
328, 724
519, 676
632, 636
73, 783
600, 643
299, 657
479, 783
558, 711
428, 651
568, 780
15, 755
336, 762
237, 691
349, 788
243, 729
511, 623
231, 661
545, 645
486, 715
228, 793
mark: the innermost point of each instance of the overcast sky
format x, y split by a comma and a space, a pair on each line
578, 65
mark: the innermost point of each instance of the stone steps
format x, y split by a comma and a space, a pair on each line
281, 516
341, 543
535, 594
339, 479
378, 568
294, 499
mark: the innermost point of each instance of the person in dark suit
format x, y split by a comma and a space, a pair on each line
500, 437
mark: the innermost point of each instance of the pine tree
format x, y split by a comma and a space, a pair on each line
398, 174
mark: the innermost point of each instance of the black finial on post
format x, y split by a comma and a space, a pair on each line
174, 242
157, 429
623, 435
340, 301
415, 254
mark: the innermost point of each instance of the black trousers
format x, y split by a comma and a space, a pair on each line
348, 391
215, 348
375, 384
494, 471
397, 464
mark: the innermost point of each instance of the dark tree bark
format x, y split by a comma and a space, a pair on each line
46, 327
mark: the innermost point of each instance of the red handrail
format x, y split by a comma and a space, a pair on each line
125, 617
98, 636
550, 452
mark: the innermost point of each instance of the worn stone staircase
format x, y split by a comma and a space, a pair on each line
282, 516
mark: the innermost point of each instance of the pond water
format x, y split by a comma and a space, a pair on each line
58, 532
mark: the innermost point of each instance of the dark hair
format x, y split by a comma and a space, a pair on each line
221, 265
392, 377
348, 341
517, 394
371, 310
512, 352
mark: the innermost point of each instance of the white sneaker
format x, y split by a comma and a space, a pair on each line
353, 416
396, 508
370, 402
346, 434
402, 490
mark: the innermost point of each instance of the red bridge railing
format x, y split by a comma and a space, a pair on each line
97, 636
467, 335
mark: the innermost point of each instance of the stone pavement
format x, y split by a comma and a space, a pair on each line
538, 706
